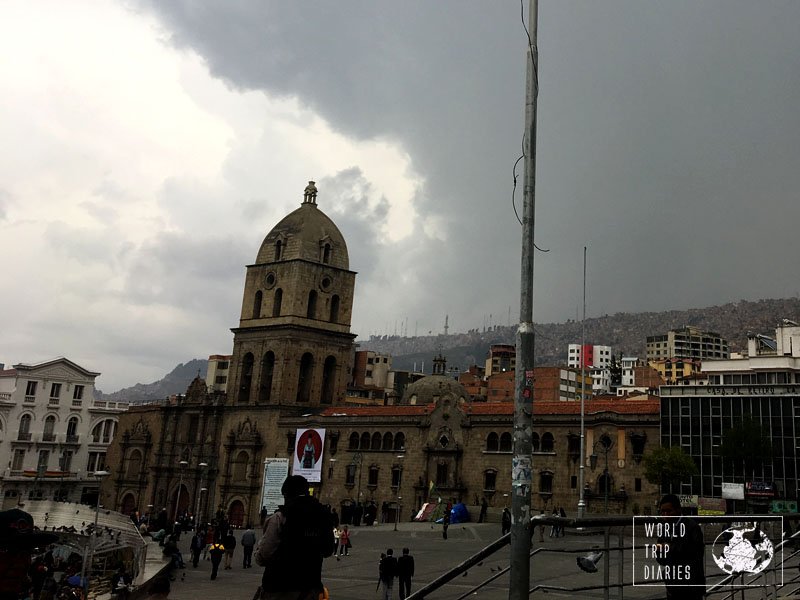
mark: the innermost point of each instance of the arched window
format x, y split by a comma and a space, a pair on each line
134, 464
246, 377
400, 441
328, 379
304, 378
388, 438
311, 313
278, 249
72, 430
547, 442
48, 435
364, 441
104, 431
492, 442
240, 466
489, 480
506, 442
605, 484
376, 441
545, 482
267, 369
605, 441
335, 309
276, 303
535, 441
326, 253
25, 427
372, 479
257, 305
353, 443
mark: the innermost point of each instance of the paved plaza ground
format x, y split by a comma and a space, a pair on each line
355, 577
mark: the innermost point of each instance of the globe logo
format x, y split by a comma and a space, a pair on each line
742, 549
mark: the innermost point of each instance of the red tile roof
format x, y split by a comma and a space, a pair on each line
651, 406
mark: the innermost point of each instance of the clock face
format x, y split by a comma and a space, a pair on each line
270, 280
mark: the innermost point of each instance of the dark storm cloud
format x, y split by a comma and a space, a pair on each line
666, 136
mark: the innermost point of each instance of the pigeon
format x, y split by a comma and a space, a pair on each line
465, 573
480, 563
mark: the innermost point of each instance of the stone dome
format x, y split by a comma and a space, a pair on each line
307, 234
435, 388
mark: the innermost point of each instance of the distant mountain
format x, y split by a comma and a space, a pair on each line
624, 332
175, 382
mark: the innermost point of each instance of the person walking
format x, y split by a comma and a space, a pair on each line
296, 540
344, 542
387, 571
563, 514
554, 526
196, 547
484, 509
216, 552
445, 524
405, 571
248, 543
229, 541
505, 522
337, 534
209, 539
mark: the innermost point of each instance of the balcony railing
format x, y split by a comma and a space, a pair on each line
72, 438
24, 436
29, 399
53, 402
48, 437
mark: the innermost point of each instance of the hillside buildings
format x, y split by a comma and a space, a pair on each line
687, 343
53, 433
287, 406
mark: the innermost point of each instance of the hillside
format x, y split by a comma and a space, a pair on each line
624, 332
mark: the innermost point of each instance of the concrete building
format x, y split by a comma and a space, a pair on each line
689, 343
53, 433
596, 360
217, 372
763, 386
501, 358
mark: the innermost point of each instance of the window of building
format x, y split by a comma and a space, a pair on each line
96, 462
257, 301
72, 430
637, 484
194, 425
547, 442
247, 377
535, 441
489, 480
77, 392
267, 373
326, 253
350, 475
48, 435
506, 442
19, 460
328, 380
545, 482
55, 390
376, 441
44, 459
365, 438
240, 467
220, 379
276, 303
353, 441
65, 462
24, 428
372, 477
573, 482
492, 442
396, 477
311, 310
441, 474
278, 249
304, 377
388, 440
400, 442
334, 309
30, 388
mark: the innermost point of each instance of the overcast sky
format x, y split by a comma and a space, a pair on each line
148, 148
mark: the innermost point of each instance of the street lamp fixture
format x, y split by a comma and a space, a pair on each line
183, 464
89, 556
202, 466
399, 484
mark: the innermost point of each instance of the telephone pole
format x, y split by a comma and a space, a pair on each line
521, 462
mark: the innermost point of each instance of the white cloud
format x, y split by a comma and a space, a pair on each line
136, 187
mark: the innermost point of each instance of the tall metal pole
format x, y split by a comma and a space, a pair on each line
521, 462
582, 500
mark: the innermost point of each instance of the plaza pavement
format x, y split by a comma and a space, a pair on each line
355, 577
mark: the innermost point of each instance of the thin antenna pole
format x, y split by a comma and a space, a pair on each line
582, 501
522, 458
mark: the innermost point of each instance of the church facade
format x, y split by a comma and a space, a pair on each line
291, 361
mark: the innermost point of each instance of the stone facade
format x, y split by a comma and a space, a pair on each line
291, 362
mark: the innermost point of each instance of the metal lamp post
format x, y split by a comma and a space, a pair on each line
357, 459
399, 497
89, 557
202, 466
604, 448
183, 464
331, 465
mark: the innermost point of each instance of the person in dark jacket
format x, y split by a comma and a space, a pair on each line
248, 543
683, 552
505, 522
387, 571
296, 539
196, 546
405, 571
229, 541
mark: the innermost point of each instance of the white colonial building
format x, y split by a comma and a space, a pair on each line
53, 433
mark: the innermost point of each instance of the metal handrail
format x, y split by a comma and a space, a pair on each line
604, 525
